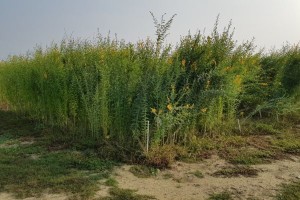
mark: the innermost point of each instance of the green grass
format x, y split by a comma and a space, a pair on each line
125, 194
220, 196
250, 157
198, 174
142, 171
289, 143
289, 192
236, 171
29, 168
63, 171
111, 182
35, 158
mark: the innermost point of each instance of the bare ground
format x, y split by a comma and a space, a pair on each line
183, 185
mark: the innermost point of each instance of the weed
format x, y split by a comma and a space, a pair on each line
265, 129
236, 171
111, 182
142, 171
164, 156
289, 143
247, 156
125, 194
220, 196
198, 174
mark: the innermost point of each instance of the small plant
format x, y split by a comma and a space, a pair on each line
198, 174
236, 171
125, 194
220, 196
111, 182
163, 156
265, 129
142, 171
248, 156
288, 143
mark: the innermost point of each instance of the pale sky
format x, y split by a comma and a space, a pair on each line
27, 23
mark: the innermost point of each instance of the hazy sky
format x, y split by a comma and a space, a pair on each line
25, 23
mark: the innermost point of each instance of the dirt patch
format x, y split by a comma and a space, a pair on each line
179, 182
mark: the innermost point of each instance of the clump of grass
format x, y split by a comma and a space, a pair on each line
4, 138
163, 156
111, 182
125, 194
289, 191
247, 156
265, 129
220, 196
236, 171
143, 171
197, 173
289, 143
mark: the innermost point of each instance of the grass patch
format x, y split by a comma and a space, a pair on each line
197, 173
220, 196
288, 143
236, 171
142, 171
111, 182
247, 156
265, 129
289, 192
28, 168
60, 172
125, 194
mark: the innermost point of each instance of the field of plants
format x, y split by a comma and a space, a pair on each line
74, 110
148, 98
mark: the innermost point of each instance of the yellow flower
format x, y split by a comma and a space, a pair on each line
204, 110
264, 84
170, 107
194, 66
45, 75
153, 110
238, 80
207, 84
183, 62
227, 69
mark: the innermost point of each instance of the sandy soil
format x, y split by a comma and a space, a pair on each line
185, 186
179, 183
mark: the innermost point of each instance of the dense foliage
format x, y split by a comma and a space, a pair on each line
110, 89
